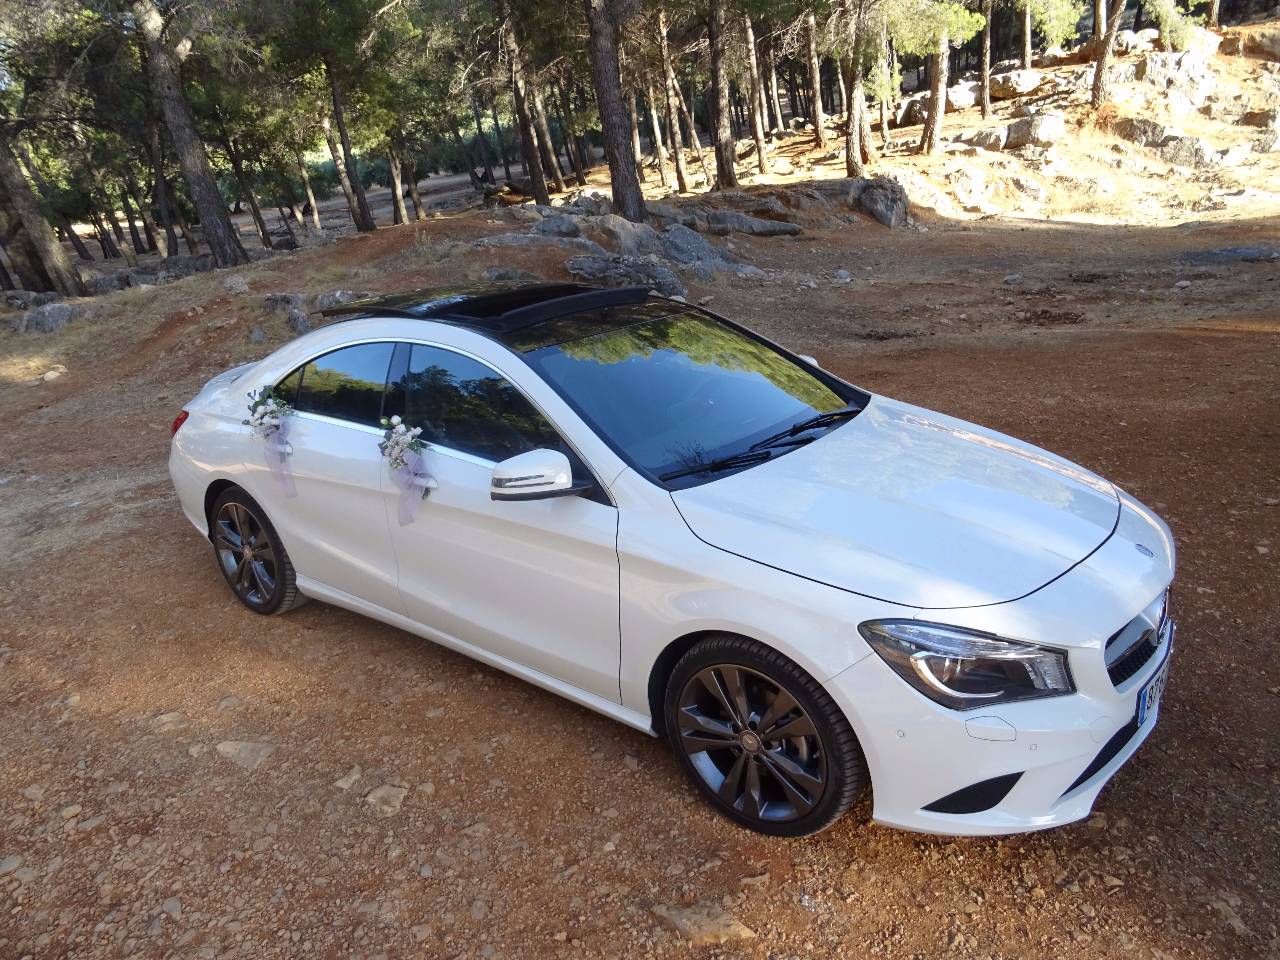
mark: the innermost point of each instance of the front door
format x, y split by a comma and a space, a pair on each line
535, 582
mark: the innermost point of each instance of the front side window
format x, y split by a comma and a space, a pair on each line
347, 384
464, 405
673, 389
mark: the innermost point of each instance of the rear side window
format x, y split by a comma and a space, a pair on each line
464, 405
347, 384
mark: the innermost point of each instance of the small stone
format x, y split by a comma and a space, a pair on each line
349, 781
173, 908
631, 763
1110, 881
479, 909
1013, 279
841, 276
425, 871
257, 334
386, 799
168, 721
235, 284
298, 321
34, 793
71, 812
10, 864
247, 754
476, 830
1182, 285
704, 924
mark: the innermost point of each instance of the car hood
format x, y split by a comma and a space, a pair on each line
911, 507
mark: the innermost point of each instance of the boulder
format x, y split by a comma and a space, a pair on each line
684, 246
49, 318
510, 274
1267, 143
911, 111
1015, 83
298, 321
1202, 41
781, 166
1266, 119
1142, 131
881, 198
991, 139
576, 244
336, 298
620, 271
1188, 152
281, 303
557, 225
1042, 130
1127, 42
723, 222
629, 239
963, 95
235, 284
1264, 41
19, 299
1187, 72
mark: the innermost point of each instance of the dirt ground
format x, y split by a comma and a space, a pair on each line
530, 827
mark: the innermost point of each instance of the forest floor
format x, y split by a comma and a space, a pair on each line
519, 825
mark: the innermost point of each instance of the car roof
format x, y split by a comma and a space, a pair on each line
500, 310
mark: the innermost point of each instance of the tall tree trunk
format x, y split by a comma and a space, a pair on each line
105, 241
398, 213
655, 126
673, 110
1214, 14
502, 146
166, 82
1098, 95
41, 251
364, 216
60, 219
815, 83
411, 176
931, 138
6, 281
633, 116
180, 219
481, 141
305, 177
726, 176
1026, 35
545, 141
776, 118
695, 139
758, 109
161, 190
988, 8
246, 190
563, 111
144, 212
139, 246
855, 145
603, 19
528, 142
1099, 23
344, 175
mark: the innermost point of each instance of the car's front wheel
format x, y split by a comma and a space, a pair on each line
761, 738
250, 555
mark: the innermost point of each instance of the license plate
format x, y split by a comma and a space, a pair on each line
1149, 696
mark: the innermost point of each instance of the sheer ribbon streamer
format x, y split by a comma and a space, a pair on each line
414, 484
278, 450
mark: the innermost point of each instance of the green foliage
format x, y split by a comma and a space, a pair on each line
1057, 20
917, 25
1176, 28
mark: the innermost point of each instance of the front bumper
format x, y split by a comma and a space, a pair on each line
920, 753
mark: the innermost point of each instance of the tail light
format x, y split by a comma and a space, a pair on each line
178, 421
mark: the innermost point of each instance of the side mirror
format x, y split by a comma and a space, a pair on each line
536, 475
809, 360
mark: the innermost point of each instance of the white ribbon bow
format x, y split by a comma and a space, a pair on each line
414, 483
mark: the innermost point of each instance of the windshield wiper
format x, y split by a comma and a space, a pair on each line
743, 459
813, 423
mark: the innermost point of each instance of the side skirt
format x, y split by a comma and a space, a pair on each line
615, 711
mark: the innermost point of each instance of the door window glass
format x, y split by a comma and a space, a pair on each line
347, 384
464, 405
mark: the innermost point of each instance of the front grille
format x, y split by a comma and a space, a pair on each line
1131, 647
1134, 659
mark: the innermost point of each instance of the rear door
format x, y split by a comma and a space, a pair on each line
535, 582
334, 526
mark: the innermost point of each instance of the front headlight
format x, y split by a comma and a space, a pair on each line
964, 669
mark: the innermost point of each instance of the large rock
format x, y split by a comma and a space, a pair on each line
911, 111
1266, 119
279, 304
1186, 72
1041, 130
1188, 152
723, 222
1015, 83
880, 197
1142, 131
27, 299
704, 924
992, 138
628, 238
576, 244
1264, 41
336, 298
963, 95
557, 225
49, 318
684, 246
619, 271
1127, 42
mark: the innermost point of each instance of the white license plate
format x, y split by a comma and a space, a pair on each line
1149, 696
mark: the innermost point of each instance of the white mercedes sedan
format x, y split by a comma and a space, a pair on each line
809, 590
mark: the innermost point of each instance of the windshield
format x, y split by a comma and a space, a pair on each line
673, 390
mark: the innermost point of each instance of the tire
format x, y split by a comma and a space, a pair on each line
791, 785
267, 585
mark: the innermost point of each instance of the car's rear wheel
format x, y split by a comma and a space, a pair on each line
761, 738
250, 555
